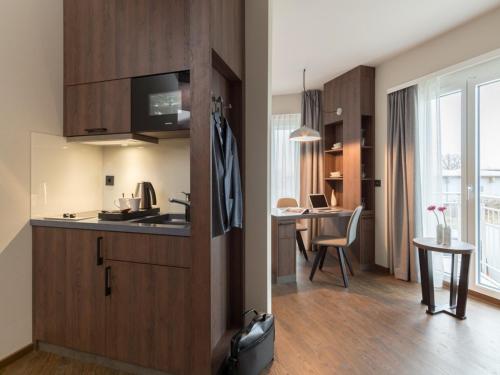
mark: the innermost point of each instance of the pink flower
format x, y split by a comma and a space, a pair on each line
442, 209
432, 208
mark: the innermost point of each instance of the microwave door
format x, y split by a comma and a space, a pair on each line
160, 103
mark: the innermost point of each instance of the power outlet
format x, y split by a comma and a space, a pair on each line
110, 180
378, 183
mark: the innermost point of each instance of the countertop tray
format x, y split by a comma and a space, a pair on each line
124, 216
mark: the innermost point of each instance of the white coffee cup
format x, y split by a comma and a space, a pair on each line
134, 203
122, 204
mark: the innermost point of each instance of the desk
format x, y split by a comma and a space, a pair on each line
458, 288
283, 240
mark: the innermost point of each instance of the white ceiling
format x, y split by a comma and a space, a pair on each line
329, 37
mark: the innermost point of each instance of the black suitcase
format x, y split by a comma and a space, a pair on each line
252, 348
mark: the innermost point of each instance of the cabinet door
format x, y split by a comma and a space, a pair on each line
85, 299
146, 315
333, 100
49, 286
68, 289
112, 39
97, 108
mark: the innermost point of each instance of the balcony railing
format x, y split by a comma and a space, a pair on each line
489, 231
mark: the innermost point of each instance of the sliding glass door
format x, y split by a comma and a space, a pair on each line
460, 125
484, 177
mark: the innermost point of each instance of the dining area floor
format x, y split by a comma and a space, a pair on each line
376, 326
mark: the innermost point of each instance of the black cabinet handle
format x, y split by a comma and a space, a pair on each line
107, 281
96, 130
100, 259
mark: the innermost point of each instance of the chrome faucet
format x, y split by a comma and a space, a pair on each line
186, 203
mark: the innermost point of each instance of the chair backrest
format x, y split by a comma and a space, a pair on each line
352, 227
287, 202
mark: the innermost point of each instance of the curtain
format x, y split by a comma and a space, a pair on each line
285, 158
402, 122
429, 167
311, 157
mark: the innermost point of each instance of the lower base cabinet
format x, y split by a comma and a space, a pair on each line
146, 311
133, 312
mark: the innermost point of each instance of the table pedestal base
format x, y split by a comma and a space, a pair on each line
450, 310
458, 288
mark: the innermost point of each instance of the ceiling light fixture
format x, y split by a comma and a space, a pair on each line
305, 133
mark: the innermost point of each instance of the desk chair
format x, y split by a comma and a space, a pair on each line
292, 202
324, 242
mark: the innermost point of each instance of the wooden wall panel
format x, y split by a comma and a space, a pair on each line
220, 287
201, 72
227, 250
227, 20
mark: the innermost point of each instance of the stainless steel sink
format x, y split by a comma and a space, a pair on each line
170, 219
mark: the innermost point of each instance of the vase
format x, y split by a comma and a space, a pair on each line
439, 234
333, 199
447, 235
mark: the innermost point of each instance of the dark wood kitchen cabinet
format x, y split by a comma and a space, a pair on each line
113, 39
146, 314
132, 308
69, 299
97, 108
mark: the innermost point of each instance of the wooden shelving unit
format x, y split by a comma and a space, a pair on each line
354, 93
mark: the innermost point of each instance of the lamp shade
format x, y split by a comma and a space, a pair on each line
305, 134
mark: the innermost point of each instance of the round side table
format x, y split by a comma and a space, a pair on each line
458, 288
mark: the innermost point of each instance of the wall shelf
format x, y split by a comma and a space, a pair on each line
334, 151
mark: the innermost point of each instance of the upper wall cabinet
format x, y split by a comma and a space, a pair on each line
112, 39
227, 32
97, 108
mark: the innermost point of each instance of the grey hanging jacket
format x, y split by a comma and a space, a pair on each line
227, 200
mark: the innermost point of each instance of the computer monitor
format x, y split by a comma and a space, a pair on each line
318, 201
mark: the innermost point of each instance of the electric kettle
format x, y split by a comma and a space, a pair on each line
146, 192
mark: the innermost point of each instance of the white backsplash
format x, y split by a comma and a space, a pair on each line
65, 177
70, 177
165, 165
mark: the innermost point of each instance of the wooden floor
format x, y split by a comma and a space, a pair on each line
377, 326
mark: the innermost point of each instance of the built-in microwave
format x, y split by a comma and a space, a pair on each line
161, 104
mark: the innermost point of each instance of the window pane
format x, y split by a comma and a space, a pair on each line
450, 116
489, 184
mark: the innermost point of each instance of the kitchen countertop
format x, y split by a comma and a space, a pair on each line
115, 226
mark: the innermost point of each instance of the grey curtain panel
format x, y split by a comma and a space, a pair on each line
402, 122
311, 157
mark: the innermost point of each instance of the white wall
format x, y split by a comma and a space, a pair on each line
257, 118
31, 76
283, 104
477, 37
165, 165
